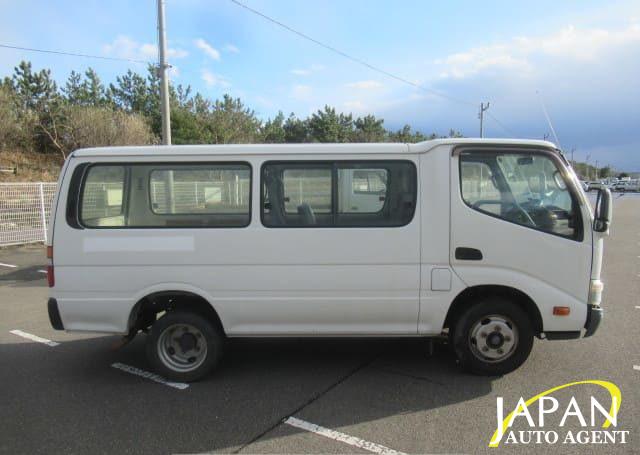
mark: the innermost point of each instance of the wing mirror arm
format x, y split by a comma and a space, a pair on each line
604, 209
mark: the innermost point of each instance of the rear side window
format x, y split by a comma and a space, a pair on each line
338, 193
166, 195
102, 197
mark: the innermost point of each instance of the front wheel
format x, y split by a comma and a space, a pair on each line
184, 346
493, 337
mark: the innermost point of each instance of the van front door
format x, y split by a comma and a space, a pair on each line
516, 221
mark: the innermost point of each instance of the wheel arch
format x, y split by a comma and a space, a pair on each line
470, 295
167, 298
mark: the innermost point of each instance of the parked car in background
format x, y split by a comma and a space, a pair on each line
633, 185
626, 186
618, 186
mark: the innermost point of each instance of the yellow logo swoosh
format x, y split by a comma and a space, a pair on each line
613, 390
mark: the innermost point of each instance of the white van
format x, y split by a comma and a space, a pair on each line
489, 242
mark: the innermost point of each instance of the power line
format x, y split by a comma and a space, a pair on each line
546, 114
350, 57
501, 125
368, 65
73, 54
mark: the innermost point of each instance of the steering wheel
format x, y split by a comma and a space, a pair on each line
520, 215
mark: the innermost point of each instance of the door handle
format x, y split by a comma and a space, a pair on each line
468, 254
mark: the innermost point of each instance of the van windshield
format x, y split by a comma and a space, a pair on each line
527, 189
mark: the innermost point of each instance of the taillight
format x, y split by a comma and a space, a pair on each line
51, 280
50, 277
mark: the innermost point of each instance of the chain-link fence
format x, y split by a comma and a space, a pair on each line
24, 212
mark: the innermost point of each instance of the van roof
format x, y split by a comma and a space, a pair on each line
297, 149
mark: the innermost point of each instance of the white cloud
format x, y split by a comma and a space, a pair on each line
207, 48
301, 92
214, 80
231, 49
307, 71
518, 54
365, 85
354, 105
125, 47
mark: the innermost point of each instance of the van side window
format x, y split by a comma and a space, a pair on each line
297, 194
205, 189
307, 186
164, 195
362, 190
102, 197
523, 188
338, 194
478, 187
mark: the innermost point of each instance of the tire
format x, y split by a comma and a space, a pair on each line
493, 337
184, 346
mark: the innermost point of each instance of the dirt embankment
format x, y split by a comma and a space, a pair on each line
21, 166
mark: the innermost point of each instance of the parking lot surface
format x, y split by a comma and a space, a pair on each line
77, 393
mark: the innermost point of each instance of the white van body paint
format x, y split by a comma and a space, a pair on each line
374, 281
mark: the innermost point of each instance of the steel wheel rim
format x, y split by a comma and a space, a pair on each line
493, 338
182, 347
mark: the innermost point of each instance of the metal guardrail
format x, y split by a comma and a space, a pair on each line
24, 212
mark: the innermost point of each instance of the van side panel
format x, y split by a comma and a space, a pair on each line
261, 281
439, 283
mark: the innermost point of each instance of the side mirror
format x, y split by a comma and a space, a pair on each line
603, 210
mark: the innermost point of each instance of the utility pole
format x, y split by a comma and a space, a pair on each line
596, 169
481, 117
573, 163
164, 79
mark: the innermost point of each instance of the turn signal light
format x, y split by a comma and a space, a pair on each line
561, 311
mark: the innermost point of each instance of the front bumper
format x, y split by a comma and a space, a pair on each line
594, 317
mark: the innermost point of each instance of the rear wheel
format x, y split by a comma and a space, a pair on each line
493, 337
184, 346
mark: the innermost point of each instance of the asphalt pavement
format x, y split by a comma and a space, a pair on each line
302, 396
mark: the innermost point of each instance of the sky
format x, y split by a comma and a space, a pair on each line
578, 59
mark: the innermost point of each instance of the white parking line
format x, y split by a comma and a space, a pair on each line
32, 337
342, 437
8, 265
636, 367
149, 375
